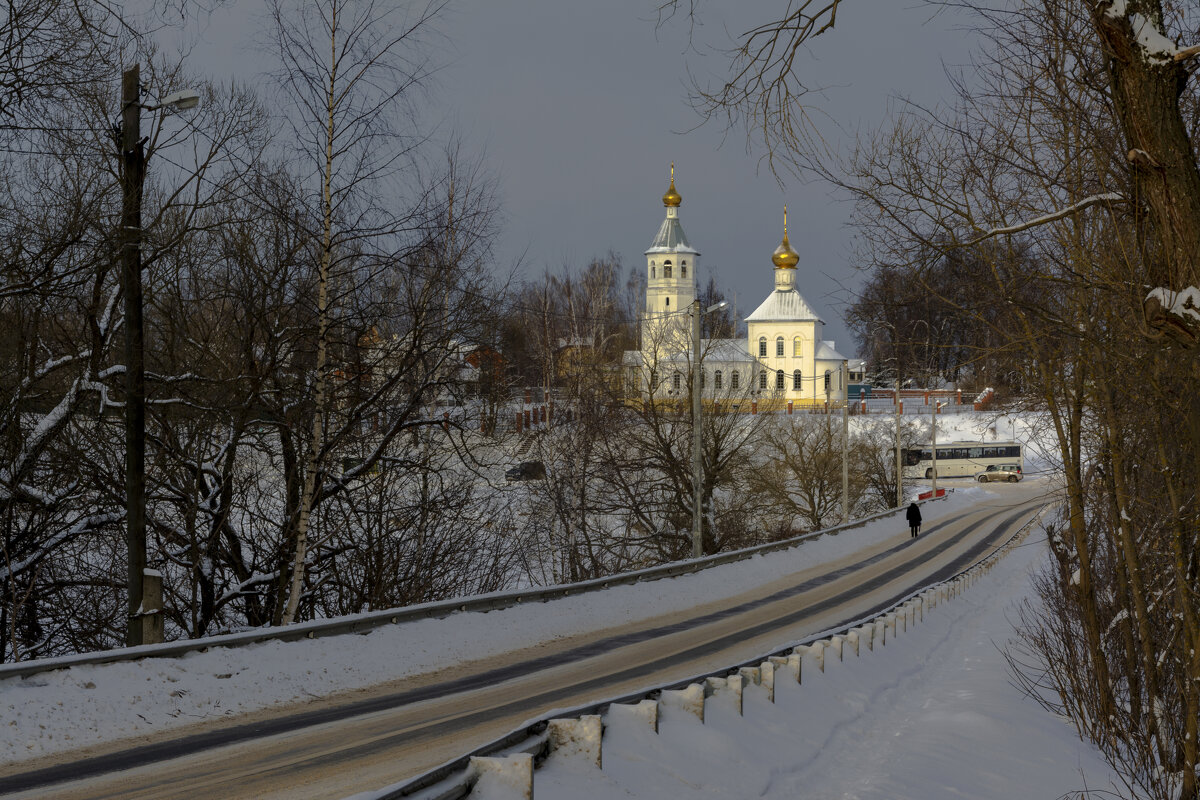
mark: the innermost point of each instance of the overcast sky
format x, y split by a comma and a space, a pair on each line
580, 107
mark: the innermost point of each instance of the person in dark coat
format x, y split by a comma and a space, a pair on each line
914, 519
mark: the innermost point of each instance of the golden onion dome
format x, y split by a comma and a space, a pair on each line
672, 199
784, 256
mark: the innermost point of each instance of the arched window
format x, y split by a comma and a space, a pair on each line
796, 347
762, 379
684, 262
734, 379
779, 347
666, 269
779, 381
827, 376
762, 347
676, 380
652, 275
717, 380
668, 304
683, 270
796, 381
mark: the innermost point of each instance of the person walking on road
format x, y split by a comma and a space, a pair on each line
914, 519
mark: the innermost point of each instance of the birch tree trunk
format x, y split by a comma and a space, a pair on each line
312, 461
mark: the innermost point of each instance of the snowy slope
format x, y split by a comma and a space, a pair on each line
931, 715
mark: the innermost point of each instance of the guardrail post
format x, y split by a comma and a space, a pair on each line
577, 737
835, 647
866, 634
646, 712
731, 685
766, 673
503, 776
814, 654
690, 700
790, 663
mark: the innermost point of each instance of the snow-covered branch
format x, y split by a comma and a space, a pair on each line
1054, 216
1185, 303
1147, 35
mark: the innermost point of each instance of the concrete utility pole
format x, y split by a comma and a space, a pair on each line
697, 430
899, 461
133, 174
697, 456
145, 624
845, 442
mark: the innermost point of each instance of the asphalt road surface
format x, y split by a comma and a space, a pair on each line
368, 739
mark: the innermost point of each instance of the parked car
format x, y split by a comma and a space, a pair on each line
1000, 472
525, 471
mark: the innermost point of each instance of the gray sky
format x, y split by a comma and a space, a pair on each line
581, 106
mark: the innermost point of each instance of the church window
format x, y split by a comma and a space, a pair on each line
762, 347
734, 379
717, 380
796, 347
652, 275
762, 379
796, 381
666, 269
683, 270
676, 380
668, 304
779, 381
779, 347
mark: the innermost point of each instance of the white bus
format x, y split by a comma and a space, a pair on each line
959, 459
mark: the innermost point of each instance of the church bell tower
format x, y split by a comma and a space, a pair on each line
671, 264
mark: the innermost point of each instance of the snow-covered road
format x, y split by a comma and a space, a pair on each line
382, 705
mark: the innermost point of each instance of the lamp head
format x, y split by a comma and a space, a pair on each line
181, 100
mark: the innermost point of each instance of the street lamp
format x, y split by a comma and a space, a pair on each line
697, 460
133, 176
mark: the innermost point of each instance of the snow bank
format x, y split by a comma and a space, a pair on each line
86, 705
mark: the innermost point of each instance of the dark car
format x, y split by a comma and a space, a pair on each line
526, 471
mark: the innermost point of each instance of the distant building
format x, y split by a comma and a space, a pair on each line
784, 356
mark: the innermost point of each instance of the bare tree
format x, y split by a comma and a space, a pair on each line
347, 69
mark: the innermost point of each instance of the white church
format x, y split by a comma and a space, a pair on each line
782, 361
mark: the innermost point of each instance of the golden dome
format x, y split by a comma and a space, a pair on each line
784, 256
672, 199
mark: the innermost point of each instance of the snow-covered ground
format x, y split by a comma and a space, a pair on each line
931, 715
82, 706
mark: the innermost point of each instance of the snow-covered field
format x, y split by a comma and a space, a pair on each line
87, 705
931, 715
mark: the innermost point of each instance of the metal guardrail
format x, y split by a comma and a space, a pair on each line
452, 780
362, 623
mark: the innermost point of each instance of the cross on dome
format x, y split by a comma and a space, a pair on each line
672, 199
784, 256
